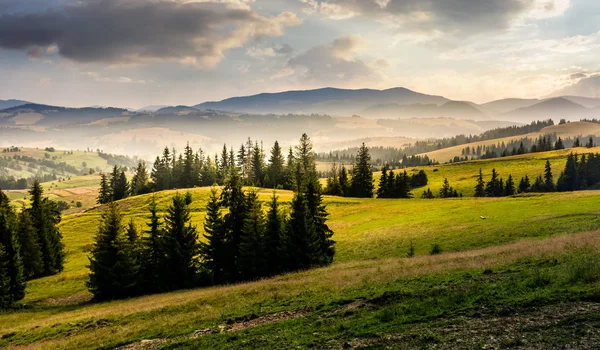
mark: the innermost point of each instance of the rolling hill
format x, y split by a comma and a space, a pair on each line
4, 104
573, 129
44, 115
450, 109
524, 253
555, 108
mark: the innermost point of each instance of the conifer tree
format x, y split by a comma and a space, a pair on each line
559, 144
180, 242
33, 264
10, 254
305, 170
118, 184
480, 187
139, 182
45, 217
105, 193
252, 240
576, 143
274, 238
509, 187
446, 190
258, 166
494, 187
568, 178
276, 170
214, 251
344, 181
590, 143
301, 238
381, 190
524, 184
548, 179
233, 198
324, 244
361, 184
6, 298
113, 269
152, 267
333, 182
427, 194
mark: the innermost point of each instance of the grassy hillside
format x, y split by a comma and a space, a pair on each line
530, 250
573, 129
463, 176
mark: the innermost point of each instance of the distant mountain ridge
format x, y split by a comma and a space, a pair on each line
56, 115
325, 101
4, 104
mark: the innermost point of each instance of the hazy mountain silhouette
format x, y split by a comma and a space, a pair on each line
327, 100
4, 104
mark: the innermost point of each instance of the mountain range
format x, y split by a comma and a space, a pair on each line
374, 104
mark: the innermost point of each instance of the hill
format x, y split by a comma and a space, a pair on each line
450, 109
44, 115
4, 104
507, 105
573, 129
327, 100
525, 251
555, 108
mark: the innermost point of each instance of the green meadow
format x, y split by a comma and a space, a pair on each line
500, 256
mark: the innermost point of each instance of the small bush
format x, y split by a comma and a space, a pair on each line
435, 249
411, 250
79, 204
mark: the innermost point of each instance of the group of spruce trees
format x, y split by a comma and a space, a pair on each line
580, 173
241, 242
30, 244
399, 185
360, 183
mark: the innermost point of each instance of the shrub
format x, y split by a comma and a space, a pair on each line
435, 249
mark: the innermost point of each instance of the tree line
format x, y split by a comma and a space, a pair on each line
189, 169
240, 241
30, 244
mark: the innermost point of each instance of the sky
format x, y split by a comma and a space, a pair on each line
134, 53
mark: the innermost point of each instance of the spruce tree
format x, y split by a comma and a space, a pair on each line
105, 193
590, 143
6, 298
152, 262
118, 184
305, 169
258, 166
275, 169
214, 251
333, 182
548, 179
361, 184
113, 267
274, 238
252, 240
344, 186
233, 198
180, 241
494, 187
301, 238
45, 217
446, 191
480, 187
11, 254
524, 184
324, 244
381, 190
139, 182
509, 187
33, 264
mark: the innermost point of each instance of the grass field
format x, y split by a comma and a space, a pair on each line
574, 129
534, 256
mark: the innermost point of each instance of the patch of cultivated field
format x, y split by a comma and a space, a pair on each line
82, 189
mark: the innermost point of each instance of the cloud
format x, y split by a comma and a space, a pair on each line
581, 84
334, 63
120, 80
434, 18
140, 31
270, 51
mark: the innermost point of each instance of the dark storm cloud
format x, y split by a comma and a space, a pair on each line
464, 17
126, 31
